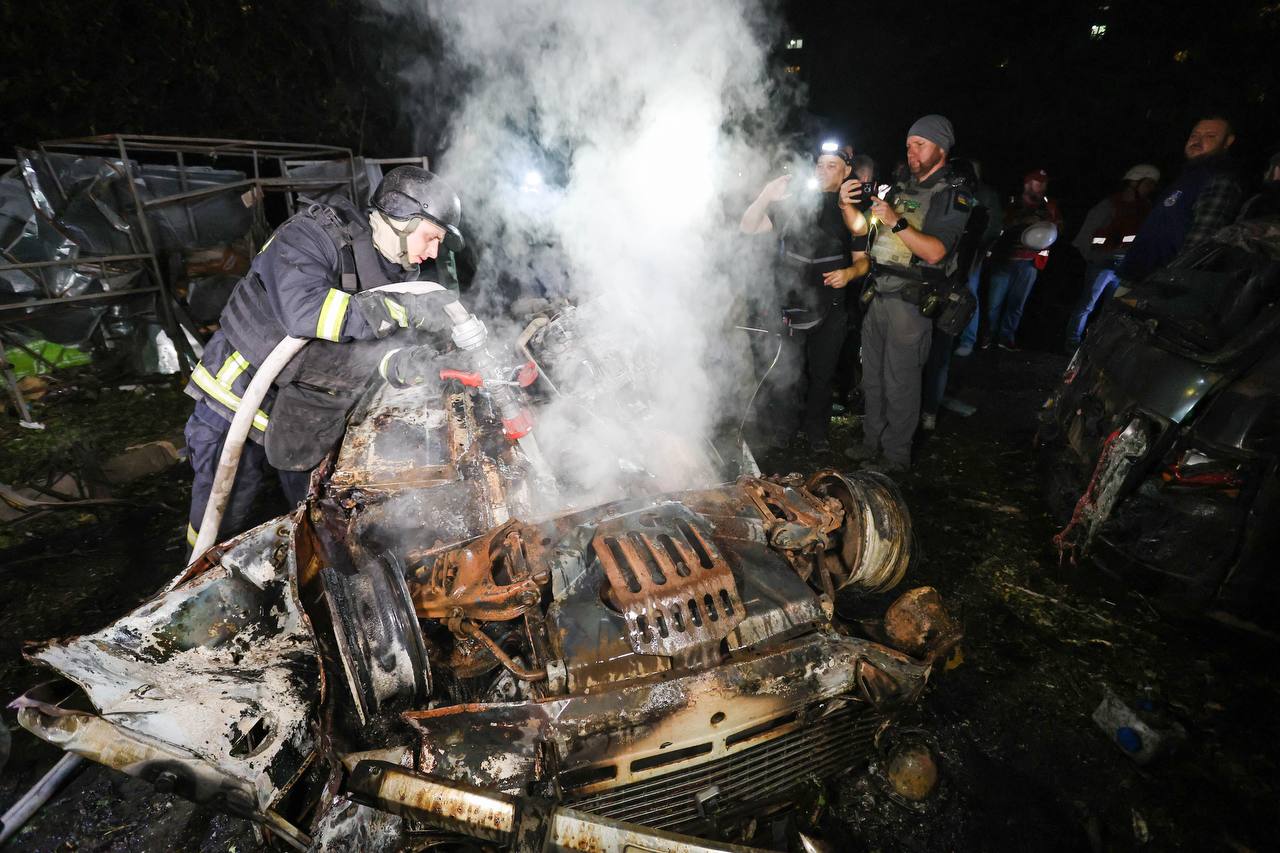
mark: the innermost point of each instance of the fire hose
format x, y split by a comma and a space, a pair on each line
225, 477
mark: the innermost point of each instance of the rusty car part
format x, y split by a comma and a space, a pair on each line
491, 579
804, 713
523, 823
913, 772
795, 518
875, 536
918, 624
670, 583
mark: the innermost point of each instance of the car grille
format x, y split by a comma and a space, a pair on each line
756, 775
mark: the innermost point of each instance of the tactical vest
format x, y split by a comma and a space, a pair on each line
892, 256
248, 320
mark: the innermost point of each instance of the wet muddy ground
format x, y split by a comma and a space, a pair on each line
1023, 765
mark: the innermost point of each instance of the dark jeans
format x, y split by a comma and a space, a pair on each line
935, 372
1011, 283
206, 431
849, 365
969, 336
822, 357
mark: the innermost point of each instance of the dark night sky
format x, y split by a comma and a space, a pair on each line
1024, 83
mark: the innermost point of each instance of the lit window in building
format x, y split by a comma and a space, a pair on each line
795, 44
1097, 31
793, 69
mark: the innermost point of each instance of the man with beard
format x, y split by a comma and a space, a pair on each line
1204, 197
822, 249
920, 224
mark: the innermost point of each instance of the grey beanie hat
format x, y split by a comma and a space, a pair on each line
937, 129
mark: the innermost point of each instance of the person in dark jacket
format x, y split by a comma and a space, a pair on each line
315, 279
822, 247
1204, 197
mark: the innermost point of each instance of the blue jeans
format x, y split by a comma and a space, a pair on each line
1100, 283
969, 336
1011, 283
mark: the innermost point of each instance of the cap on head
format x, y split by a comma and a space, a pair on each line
1142, 172
409, 192
1036, 175
937, 129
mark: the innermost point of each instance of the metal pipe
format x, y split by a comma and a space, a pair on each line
88, 297
229, 461
65, 262
23, 809
473, 629
443, 803
524, 822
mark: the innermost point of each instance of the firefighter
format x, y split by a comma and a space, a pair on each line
315, 279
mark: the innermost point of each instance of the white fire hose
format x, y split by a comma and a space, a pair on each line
225, 478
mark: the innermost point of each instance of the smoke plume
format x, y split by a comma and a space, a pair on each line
605, 151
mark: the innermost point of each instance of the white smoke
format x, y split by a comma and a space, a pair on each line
603, 147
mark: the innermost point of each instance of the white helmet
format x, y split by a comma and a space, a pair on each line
1143, 171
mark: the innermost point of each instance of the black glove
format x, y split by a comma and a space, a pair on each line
411, 366
386, 311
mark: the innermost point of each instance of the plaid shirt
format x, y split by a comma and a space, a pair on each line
1215, 207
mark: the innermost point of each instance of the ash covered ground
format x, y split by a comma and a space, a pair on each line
1022, 764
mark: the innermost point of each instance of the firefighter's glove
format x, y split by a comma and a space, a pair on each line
386, 311
410, 366
470, 334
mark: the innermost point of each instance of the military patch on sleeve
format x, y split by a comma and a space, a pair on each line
963, 201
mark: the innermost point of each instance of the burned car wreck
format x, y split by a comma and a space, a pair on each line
433, 649
1159, 449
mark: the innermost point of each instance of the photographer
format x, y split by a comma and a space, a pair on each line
920, 220
822, 249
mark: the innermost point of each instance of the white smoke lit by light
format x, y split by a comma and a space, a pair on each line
638, 111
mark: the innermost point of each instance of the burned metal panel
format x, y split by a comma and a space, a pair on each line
650, 720
404, 441
222, 670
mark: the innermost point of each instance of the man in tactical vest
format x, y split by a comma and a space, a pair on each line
315, 278
919, 226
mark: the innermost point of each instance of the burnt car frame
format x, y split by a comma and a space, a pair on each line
1159, 449
404, 656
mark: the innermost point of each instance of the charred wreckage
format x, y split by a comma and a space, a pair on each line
405, 659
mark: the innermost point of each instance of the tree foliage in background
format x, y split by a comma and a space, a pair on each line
288, 70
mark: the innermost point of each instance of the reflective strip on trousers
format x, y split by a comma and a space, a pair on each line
332, 313
192, 536
208, 384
